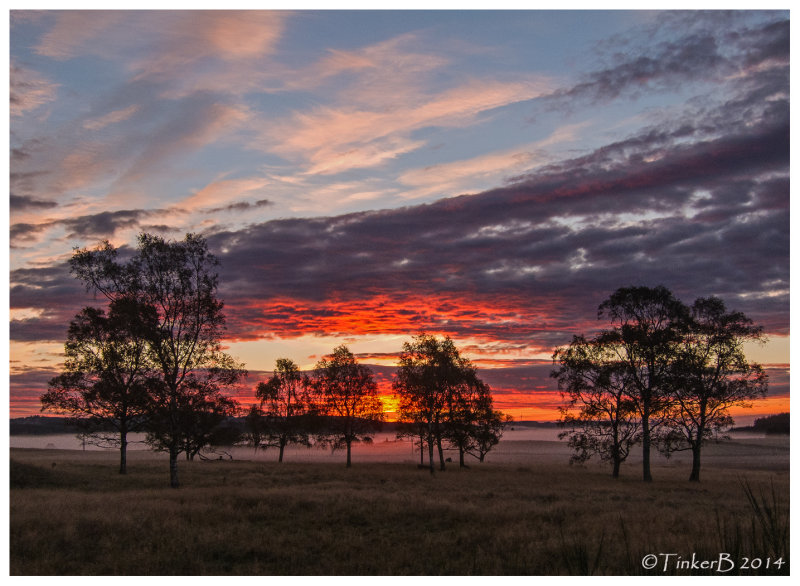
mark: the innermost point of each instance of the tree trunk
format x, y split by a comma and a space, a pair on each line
695, 475
430, 448
173, 467
646, 476
281, 445
123, 450
441, 453
697, 444
461, 458
617, 462
482, 456
348, 453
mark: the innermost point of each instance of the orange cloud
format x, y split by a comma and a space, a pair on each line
499, 327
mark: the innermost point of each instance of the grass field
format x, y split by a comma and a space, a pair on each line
524, 512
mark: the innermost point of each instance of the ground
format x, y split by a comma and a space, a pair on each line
525, 511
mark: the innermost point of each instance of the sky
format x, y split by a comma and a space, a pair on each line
367, 175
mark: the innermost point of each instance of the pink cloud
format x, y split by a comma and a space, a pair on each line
175, 38
332, 139
76, 32
111, 118
29, 90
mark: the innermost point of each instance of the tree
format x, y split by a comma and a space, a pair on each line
416, 430
254, 423
201, 415
600, 416
106, 377
177, 281
431, 376
348, 397
710, 375
488, 430
472, 425
285, 407
647, 328
772, 424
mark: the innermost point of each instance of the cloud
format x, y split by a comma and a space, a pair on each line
22, 202
77, 31
111, 118
187, 38
175, 38
221, 191
490, 168
123, 148
698, 202
334, 139
699, 205
103, 225
701, 48
639, 211
29, 90
240, 206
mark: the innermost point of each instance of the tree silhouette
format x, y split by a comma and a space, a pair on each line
600, 416
646, 330
434, 385
347, 395
710, 375
488, 426
472, 425
176, 281
285, 407
202, 409
256, 428
106, 379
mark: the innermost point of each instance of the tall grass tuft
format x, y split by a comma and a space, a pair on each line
770, 520
577, 556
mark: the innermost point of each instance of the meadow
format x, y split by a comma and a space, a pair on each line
525, 511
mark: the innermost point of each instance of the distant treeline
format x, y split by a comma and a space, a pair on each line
772, 424
39, 425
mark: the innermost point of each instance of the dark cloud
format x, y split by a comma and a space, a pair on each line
23, 202
240, 206
90, 226
700, 206
703, 46
103, 224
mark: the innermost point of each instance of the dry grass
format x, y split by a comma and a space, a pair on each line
72, 514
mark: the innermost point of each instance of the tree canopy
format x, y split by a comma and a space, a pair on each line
174, 283
663, 373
